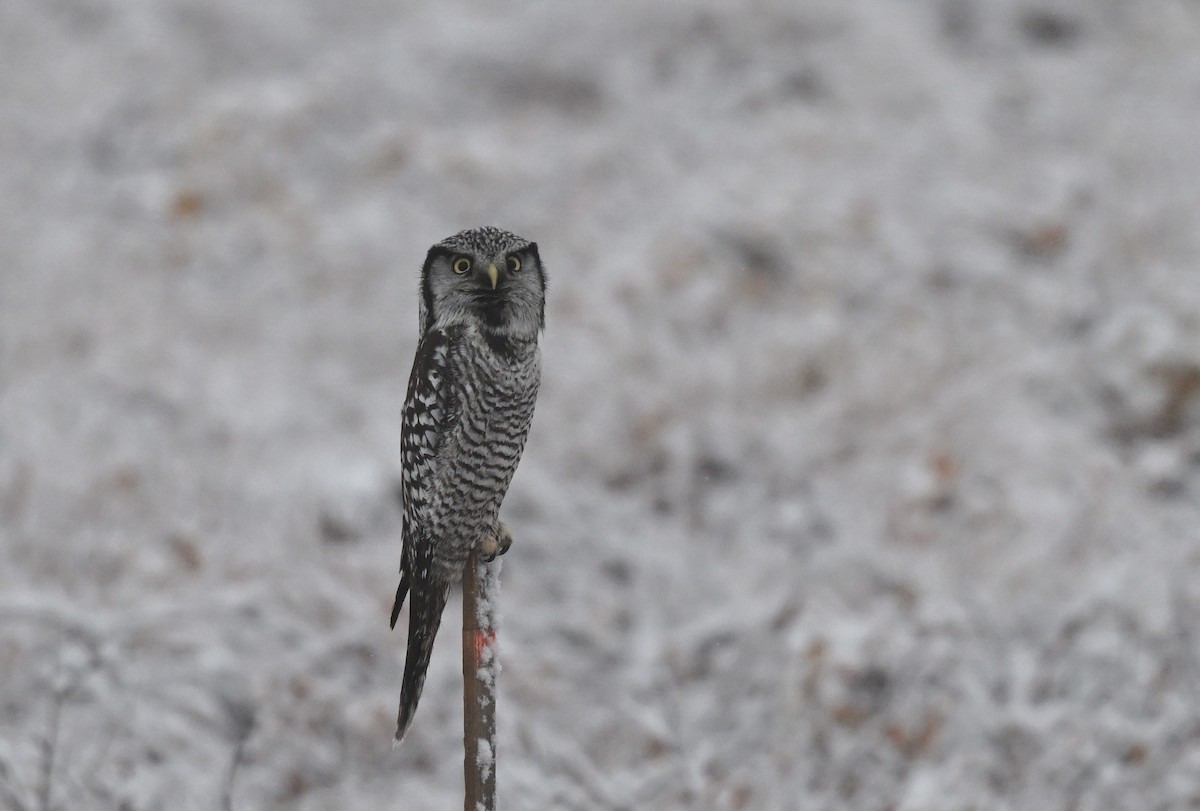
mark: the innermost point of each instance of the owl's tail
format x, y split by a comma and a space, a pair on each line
424, 617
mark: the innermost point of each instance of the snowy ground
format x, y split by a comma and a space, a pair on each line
866, 473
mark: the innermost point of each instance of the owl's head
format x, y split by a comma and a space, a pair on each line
486, 277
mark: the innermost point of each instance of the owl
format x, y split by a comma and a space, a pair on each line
466, 416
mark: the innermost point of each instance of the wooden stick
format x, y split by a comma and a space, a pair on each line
480, 590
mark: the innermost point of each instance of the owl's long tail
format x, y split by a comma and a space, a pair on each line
424, 618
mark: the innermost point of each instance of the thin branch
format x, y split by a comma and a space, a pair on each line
50, 745
239, 750
480, 591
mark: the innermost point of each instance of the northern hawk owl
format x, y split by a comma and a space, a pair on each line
469, 405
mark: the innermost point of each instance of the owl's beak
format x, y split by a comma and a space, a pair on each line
493, 274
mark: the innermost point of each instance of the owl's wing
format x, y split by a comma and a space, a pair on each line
428, 409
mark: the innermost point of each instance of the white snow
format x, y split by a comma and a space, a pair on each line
865, 470
484, 759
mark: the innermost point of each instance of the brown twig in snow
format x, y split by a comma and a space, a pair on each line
480, 590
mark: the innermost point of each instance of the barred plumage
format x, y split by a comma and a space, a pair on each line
466, 416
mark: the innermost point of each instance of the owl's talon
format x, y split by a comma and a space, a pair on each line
491, 547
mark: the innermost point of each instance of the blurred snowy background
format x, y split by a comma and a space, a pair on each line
866, 472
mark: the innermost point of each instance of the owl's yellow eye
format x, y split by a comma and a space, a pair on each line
514, 264
461, 265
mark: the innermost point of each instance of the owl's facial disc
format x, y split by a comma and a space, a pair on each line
486, 277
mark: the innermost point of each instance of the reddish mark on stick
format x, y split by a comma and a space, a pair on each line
484, 637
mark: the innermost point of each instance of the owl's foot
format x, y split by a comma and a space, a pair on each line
492, 546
